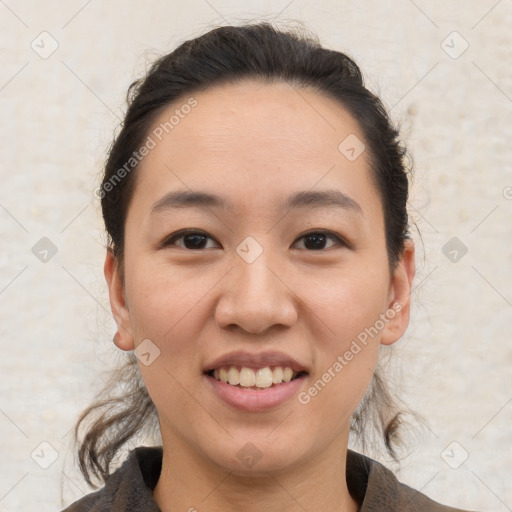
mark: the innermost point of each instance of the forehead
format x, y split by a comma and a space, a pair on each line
301, 119
255, 140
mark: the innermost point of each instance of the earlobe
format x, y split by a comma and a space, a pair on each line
398, 312
123, 338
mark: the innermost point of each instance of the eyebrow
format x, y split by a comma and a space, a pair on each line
300, 200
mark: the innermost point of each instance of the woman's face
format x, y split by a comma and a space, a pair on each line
248, 287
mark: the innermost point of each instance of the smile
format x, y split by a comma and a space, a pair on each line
255, 378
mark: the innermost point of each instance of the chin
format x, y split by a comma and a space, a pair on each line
256, 455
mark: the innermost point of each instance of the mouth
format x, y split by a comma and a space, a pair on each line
255, 382
255, 378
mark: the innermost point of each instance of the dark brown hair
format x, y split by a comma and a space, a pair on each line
230, 54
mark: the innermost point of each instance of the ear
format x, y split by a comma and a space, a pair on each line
399, 306
124, 336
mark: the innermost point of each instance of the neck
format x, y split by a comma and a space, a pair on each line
188, 482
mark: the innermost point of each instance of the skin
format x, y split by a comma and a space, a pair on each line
198, 304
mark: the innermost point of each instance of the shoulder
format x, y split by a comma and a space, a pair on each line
378, 489
129, 488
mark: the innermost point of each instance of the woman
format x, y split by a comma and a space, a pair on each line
258, 257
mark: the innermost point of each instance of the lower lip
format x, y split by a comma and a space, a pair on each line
255, 400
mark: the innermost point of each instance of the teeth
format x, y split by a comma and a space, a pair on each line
264, 378
287, 374
233, 376
247, 377
277, 376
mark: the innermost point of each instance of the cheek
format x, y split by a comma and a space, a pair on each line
160, 300
347, 341
347, 303
170, 309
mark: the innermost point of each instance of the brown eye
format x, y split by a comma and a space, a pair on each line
197, 240
192, 239
316, 240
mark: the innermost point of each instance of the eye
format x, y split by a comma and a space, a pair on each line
316, 240
193, 239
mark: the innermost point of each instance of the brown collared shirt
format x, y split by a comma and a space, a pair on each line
130, 487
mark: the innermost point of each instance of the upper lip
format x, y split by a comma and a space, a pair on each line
256, 360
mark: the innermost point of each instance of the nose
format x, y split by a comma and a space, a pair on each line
255, 297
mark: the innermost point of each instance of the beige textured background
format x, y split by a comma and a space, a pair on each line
57, 118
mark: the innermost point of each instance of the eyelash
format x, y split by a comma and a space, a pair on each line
182, 233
